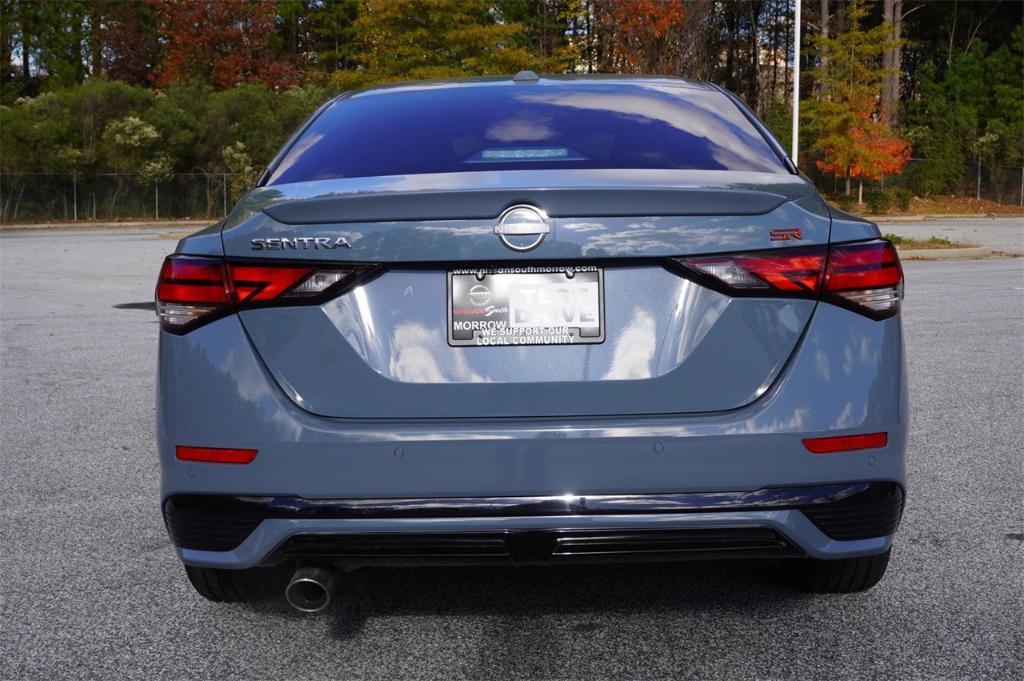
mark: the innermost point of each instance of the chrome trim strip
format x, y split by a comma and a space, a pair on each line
566, 504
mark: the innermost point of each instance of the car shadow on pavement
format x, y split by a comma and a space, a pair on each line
148, 305
686, 588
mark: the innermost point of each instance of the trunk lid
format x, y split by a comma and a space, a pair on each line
384, 350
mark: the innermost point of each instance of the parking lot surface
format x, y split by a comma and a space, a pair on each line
91, 588
1000, 234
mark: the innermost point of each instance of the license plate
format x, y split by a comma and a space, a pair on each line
526, 305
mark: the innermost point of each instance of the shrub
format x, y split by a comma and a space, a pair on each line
846, 202
902, 198
879, 202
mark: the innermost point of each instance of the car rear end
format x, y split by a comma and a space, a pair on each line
531, 321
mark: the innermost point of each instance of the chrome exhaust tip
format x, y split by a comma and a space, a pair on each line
310, 589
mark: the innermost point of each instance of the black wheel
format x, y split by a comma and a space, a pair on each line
842, 576
233, 586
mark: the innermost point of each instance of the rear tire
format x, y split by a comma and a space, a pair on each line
841, 576
232, 586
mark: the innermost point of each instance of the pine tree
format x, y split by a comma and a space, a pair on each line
332, 23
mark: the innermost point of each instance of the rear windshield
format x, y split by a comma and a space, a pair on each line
416, 130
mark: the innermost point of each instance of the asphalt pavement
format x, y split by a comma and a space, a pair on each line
1000, 234
90, 588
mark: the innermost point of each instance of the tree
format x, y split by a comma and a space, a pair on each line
643, 35
967, 112
243, 173
223, 42
935, 125
551, 28
422, 39
849, 140
177, 113
129, 143
124, 41
891, 62
60, 34
332, 25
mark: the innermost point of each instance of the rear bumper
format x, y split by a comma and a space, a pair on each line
830, 521
846, 377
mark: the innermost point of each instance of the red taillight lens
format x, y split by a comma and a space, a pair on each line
794, 271
256, 283
193, 290
189, 289
845, 443
867, 277
215, 454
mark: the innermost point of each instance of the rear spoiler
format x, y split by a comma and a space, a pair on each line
489, 203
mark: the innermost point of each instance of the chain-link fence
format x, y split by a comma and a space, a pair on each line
1002, 184
27, 197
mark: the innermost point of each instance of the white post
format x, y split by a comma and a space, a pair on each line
977, 182
796, 82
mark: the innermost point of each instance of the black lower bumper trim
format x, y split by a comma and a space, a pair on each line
875, 512
536, 546
845, 511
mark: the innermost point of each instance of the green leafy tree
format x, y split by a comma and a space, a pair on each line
424, 39
935, 125
243, 173
156, 169
332, 25
97, 102
545, 23
177, 113
129, 144
965, 112
62, 33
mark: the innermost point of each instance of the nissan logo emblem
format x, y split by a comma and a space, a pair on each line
522, 227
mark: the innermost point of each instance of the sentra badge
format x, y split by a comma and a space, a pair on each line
301, 242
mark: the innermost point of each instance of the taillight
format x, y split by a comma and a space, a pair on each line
867, 277
193, 290
794, 271
190, 289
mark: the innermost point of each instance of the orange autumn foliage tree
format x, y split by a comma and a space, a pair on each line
642, 34
849, 141
221, 42
859, 147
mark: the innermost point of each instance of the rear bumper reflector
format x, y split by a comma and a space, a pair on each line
215, 454
845, 443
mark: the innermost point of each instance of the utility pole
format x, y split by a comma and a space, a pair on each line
796, 83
